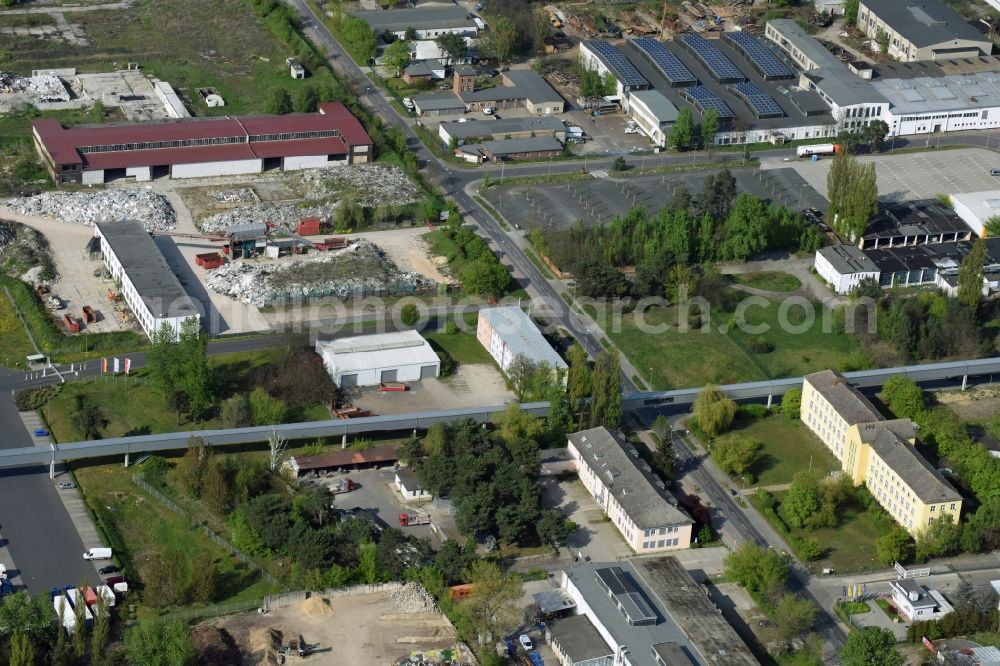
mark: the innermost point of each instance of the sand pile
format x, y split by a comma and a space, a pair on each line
316, 607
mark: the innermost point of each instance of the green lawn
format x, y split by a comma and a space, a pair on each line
889, 610
789, 448
770, 281
14, 343
132, 407
143, 527
694, 357
463, 347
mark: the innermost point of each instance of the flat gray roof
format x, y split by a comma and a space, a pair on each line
940, 93
913, 218
848, 259
438, 101
843, 87
687, 605
418, 69
924, 22
511, 323
657, 103
146, 267
846, 400
620, 469
889, 440
503, 126
409, 479
938, 67
533, 85
579, 639
805, 42
419, 18
908, 585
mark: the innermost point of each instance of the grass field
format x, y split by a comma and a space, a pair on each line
189, 43
770, 281
463, 347
14, 344
789, 448
696, 357
132, 407
147, 528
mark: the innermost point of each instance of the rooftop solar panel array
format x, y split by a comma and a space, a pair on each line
624, 70
760, 56
669, 65
703, 99
721, 67
762, 104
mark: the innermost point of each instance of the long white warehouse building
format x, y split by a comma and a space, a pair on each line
369, 360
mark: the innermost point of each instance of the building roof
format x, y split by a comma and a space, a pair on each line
906, 586
418, 18
842, 87
409, 479
847, 259
579, 639
657, 103
467, 130
106, 146
417, 69
924, 22
532, 85
939, 67
806, 43
672, 654
553, 601
465, 70
438, 102
518, 332
943, 257
503, 147
940, 93
628, 478
142, 261
846, 400
981, 205
381, 350
915, 218
889, 439
378, 454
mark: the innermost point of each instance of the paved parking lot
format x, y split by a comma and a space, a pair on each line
912, 175
597, 201
595, 536
606, 134
376, 492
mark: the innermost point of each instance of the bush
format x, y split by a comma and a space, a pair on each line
448, 364
759, 346
31, 399
752, 411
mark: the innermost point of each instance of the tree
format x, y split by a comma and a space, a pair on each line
619, 164
306, 99
736, 454
454, 561
22, 652
803, 499
367, 566
874, 133
853, 194
280, 103
410, 34
492, 606
265, 409
192, 466
155, 643
235, 411
591, 84
216, 490
606, 404
709, 127
78, 641
940, 538
713, 410
882, 38
553, 529
162, 359
276, 445
409, 315
893, 546
485, 276
505, 39
904, 397
763, 571
34, 617
791, 404
579, 383
851, 11
88, 417
193, 374
397, 56
102, 626
682, 132
871, 646
664, 457
970, 276
453, 45
793, 616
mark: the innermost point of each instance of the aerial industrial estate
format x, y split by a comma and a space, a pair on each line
501, 332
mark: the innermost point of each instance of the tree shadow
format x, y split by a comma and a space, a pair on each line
763, 463
139, 431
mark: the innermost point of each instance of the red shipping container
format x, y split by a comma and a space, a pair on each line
308, 226
90, 596
72, 323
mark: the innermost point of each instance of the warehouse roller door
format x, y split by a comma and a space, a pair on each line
389, 376
348, 381
428, 371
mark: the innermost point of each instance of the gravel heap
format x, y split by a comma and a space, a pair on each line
112, 205
323, 190
413, 598
357, 269
40, 88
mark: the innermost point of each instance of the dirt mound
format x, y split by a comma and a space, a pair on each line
316, 607
215, 646
264, 644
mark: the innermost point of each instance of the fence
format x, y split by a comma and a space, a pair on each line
228, 547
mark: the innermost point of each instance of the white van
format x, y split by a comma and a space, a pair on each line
97, 554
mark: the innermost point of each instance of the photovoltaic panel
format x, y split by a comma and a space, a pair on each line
762, 104
757, 52
624, 70
703, 99
669, 65
721, 67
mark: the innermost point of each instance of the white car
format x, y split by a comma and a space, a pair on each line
488, 110
525, 642
631, 130
408, 103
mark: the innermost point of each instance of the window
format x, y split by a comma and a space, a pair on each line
661, 542
953, 506
933, 508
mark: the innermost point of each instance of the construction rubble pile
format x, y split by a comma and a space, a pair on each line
25, 255
39, 88
111, 205
359, 269
241, 195
413, 598
323, 191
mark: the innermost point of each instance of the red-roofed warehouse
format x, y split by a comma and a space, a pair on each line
196, 148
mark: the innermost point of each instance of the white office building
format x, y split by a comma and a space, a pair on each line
654, 115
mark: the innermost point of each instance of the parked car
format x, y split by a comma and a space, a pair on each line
109, 569
65, 485
995, 172
40, 432
525, 642
488, 110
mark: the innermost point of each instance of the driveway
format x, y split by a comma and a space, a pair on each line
595, 536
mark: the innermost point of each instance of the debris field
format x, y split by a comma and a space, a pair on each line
111, 205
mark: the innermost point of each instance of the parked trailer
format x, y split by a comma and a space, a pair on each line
209, 260
818, 149
343, 486
408, 519
392, 387
353, 413
72, 323
308, 226
89, 315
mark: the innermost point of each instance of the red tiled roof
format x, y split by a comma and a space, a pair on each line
347, 458
63, 144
